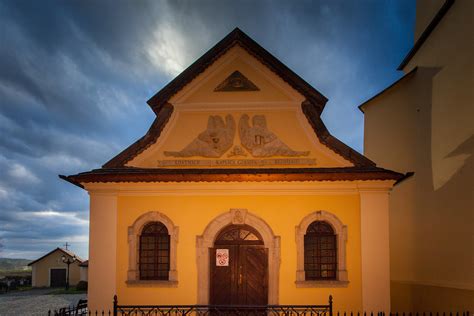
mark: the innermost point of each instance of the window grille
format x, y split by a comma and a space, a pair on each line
154, 261
320, 252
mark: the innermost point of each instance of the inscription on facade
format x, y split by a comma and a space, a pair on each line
235, 162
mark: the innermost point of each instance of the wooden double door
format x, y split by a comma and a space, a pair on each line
57, 277
242, 277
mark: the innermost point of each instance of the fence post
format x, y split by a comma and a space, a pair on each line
330, 305
115, 305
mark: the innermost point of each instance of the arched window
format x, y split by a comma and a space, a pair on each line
320, 252
152, 251
154, 259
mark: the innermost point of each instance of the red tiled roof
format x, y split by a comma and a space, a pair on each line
231, 175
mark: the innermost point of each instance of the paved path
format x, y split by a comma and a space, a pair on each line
35, 302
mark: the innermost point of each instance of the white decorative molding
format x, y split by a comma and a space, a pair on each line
206, 241
134, 231
237, 188
267, 106
341, 231
322, 283
148, 283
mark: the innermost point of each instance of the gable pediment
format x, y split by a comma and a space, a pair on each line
236, 139
236, 132
236, 78
238, 107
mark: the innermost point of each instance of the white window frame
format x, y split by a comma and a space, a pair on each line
134, 232
341, 235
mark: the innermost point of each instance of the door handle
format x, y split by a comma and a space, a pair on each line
240, 275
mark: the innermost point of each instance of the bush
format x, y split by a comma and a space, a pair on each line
81, 286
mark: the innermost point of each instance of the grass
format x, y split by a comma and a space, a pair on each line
20, 273
23, 288
72, 290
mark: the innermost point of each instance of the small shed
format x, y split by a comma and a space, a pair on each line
51, 271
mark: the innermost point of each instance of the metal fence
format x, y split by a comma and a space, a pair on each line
218, 310
231, 310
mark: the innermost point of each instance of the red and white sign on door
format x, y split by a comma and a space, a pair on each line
222, 257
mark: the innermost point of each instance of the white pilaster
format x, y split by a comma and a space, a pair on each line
374, 213
102, 251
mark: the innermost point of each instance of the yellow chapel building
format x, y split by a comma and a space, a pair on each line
238, 194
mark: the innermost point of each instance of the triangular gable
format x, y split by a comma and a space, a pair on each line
64, 251
312, 104
237, 37
236, 82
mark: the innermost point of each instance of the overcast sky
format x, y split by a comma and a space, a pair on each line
75, 76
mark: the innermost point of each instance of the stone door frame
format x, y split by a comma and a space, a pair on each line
206, 241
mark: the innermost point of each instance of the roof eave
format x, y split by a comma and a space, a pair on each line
393, 85
234, 175
426, 33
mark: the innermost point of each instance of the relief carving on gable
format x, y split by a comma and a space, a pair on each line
260, 141
218, 138
211, 143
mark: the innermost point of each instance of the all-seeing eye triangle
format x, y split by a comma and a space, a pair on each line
236, 82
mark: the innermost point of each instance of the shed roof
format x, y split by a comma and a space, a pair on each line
64, 251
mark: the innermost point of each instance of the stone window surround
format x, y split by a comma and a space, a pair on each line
206, 241
341, 231
134, 231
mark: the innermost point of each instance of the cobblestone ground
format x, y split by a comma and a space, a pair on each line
35, 302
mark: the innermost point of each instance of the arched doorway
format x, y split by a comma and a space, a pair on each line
205, 242
238, 267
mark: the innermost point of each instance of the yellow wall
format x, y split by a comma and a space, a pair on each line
424, 124
282, 213
53, 261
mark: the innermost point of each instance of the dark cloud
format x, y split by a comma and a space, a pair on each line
75, 76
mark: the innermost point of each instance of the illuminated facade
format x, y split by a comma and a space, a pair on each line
238, 194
